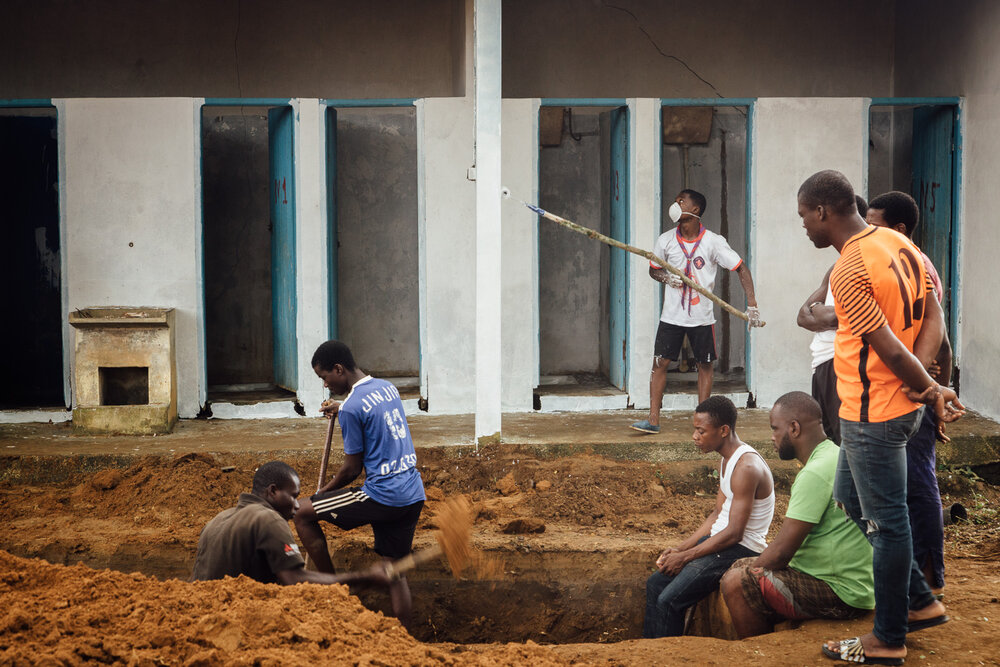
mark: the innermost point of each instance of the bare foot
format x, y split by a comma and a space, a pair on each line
874, 647
933, 610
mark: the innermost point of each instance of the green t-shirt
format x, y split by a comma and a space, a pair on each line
835, 550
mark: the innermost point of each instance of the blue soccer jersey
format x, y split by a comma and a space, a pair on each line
373, 424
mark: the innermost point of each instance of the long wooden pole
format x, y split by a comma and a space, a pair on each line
586, 231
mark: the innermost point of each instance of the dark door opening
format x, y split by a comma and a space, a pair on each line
583, 284
705, 149
249, 253
31, 368
374, 261
915, 149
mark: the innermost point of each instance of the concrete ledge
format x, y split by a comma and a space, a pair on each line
583, 403
42, 415
125, 419
262, 410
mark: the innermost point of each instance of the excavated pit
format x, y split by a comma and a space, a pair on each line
578, 583
553, 597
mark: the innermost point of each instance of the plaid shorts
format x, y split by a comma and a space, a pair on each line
791, 594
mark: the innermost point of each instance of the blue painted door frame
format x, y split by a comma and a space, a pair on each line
932, 185
618, 283
331, 208
280, 127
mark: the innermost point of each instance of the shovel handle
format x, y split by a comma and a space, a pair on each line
400, 567
325, 461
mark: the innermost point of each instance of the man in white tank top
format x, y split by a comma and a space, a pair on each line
735, 529
818, 315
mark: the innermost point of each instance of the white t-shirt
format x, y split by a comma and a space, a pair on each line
683, 306
822, 342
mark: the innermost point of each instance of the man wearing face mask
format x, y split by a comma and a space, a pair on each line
699, 252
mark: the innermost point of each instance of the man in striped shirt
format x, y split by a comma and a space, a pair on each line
890, 329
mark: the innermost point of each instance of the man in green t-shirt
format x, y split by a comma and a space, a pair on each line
820, 564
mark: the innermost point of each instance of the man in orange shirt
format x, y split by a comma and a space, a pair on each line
890, 329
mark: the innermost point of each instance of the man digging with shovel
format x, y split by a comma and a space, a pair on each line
376, 440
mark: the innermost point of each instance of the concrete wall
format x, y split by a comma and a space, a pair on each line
247, 48
890, 148
132, 211
377, 280
519, 324
952, 50
562, 48
447, 256
793, 139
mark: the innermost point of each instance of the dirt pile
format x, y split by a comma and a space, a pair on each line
73, 615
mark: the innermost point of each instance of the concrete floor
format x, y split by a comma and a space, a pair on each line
975, 439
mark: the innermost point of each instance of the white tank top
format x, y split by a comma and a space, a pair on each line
761, 512
822, 342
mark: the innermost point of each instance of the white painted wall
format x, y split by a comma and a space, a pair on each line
519, 253
132, 215
448, 254
311, 246
793, 139
644, 228
952, 50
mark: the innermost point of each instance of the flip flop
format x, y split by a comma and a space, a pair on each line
913, 626
851, 650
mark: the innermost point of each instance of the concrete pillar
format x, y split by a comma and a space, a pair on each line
130, 188
488, 239
446, 202
312, 250
793, 138
644, 228
519, 325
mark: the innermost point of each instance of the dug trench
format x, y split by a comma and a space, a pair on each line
576, 535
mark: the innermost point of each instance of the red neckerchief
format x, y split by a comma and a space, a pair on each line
687, 292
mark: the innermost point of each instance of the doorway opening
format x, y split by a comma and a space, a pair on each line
374, 259
916, 148
249, 253
583, 284
31, 332
705, 148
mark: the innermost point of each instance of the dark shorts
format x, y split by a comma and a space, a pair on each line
824, 390
393, 526
790, 594
670, 337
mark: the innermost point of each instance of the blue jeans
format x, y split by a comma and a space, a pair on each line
924, 499
667, 598
871, 486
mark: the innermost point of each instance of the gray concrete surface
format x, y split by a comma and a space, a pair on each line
975, 439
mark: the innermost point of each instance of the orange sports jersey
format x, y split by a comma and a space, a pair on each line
879, 280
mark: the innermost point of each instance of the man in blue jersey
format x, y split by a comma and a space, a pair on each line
376, 440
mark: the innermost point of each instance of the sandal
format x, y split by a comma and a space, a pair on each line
851, 650
913, 626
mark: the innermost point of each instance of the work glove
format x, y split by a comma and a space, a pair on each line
753, 318
674, 280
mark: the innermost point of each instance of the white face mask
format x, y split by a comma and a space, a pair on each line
675, 212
